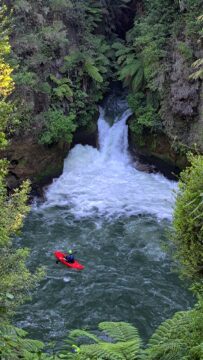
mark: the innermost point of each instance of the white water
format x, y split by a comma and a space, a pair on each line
104, 182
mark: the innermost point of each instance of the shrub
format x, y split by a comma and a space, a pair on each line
188, 220
58, 127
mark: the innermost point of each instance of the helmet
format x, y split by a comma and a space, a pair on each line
70, 252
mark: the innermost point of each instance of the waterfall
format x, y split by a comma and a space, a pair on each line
113, 141
104, 182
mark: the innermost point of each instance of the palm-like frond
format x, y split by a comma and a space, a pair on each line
123, 342
62, 91
14, 345
132, 73
93, 71
165, 329
102, 351
178, 338
119, 331
75, 334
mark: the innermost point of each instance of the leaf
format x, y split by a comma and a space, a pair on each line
84, 333
93, 72
119, 331
137, 80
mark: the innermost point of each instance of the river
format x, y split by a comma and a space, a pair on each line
117, 219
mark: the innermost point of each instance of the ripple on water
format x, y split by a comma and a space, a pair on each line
127, 276
112, 214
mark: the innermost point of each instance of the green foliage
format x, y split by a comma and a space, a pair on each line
16, 280
92, 71
188, 220
58, 127
6, 82
62, 61
198, 67
185, 50
198, 64
144, 59
14, 345
26, 79
145, 113
131, 70
122, 342
178, 338
64, 87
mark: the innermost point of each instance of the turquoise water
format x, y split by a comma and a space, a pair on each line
117, 218
127, 276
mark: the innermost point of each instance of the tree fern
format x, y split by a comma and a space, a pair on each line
93, 71
131, 68
198, 64
123, 342
132, 73
83, 333
198, 67
14, 345
119, 331
63, 90
178, 338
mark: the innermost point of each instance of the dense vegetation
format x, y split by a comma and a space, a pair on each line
164, 37
188, 222
16, 280
62, 60
65, 54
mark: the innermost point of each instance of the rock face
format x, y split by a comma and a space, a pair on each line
182, 116
30, 160
157, 151
181, 102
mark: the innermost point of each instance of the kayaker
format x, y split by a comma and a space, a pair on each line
70, 257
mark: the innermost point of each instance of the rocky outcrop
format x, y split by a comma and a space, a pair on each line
182, 99
30, 160
157, 150
181, 113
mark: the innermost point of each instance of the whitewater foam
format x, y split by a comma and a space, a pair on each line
105, 183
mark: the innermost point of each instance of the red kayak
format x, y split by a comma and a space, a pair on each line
61, 257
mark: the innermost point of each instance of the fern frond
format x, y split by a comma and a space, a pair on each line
197, 63
75, 334
93, 71
129, 70
137, 80
8, 330
197, 75
102, 351
73, 58
63, 91
197, 352
119, 351
119, 331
